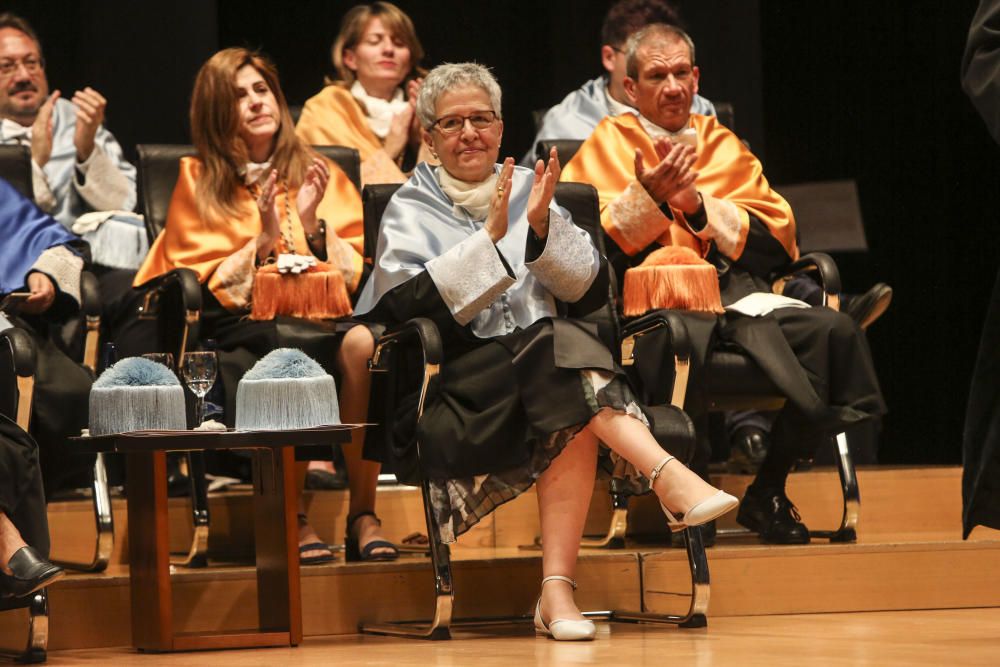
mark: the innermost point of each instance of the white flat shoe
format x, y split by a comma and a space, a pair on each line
710, 508
562, 629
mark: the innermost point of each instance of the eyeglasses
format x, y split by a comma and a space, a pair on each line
31, 63
454, 124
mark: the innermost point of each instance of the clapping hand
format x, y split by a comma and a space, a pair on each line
412, 91
270, 218
399, 132
41, 131
311, 194
496, 219
90, 106
672, 176
542, 189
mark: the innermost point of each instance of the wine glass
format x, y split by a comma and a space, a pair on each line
198, 369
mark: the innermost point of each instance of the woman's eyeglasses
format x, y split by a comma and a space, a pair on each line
479, 120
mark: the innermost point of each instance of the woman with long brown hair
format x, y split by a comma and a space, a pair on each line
369, 105
256, 193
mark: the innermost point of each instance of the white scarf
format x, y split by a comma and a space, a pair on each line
256, 171
12, 130
687, 136
475, 198
380, 112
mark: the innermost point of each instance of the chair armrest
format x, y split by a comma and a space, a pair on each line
17, 370
821, 264
179, 290
680, 347
426, 333
680, 340
90, 295
90, 306
21, 350
183, 280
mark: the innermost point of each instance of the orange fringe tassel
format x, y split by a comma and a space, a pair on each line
672, 277
318, 293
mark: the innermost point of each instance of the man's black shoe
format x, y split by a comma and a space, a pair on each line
868, 307
29, 572
773, 516
747, 448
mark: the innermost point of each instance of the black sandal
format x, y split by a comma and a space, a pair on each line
313, 546
352, 552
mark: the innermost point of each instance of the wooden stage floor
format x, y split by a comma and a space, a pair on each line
958, 637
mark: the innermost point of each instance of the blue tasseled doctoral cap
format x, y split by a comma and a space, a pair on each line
136, 372
285, 362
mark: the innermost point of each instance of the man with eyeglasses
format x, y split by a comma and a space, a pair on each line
580, 111
77, 165
670, 177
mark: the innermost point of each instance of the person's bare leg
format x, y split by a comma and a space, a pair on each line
10, 542
306, 533
564, 491
355, 386
677, 487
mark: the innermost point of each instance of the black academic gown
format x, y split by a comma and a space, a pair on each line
498, 396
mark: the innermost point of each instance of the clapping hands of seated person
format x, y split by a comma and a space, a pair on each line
41, 131
671, 180
311, 194
542, 189
90, 106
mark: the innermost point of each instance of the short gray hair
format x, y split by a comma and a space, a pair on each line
654, 31
454, 75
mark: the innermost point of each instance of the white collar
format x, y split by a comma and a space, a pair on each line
253, 172
686, 136
380, 112
14, 130
474, 198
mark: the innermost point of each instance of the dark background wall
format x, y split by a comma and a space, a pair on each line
851, 89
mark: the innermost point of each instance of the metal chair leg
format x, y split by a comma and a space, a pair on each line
444, 592
615, 537
847, 532
197, 555
695, 617
104, 520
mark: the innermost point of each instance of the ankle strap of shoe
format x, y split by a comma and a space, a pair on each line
655, 472
559, 577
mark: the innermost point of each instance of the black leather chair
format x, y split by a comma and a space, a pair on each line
565, 148
174, 300
672, 427
17, 371
15, 168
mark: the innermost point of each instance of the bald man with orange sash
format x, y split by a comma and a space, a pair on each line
669, 178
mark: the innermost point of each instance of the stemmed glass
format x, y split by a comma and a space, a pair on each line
198, 369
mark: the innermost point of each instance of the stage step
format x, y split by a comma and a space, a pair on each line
897, 504
909, 556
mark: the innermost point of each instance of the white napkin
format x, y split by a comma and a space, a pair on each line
759, 304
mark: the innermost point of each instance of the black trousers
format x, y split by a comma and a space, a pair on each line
22, 498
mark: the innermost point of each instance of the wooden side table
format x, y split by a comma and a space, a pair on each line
279, 598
